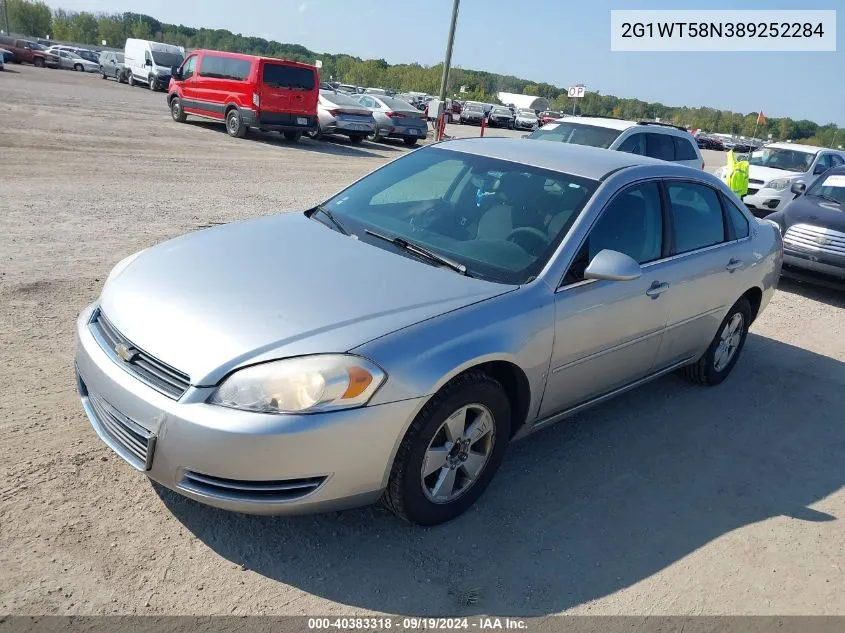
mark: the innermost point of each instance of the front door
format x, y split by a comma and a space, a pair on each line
607, 333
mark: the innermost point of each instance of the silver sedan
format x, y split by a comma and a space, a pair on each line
391, 342
394, 118
340, 114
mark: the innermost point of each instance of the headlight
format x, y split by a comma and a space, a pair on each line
121, 266
309, 384
778, 184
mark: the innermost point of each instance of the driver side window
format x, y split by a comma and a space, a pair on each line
632, 224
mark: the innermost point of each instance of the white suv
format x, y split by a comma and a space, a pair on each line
658, 140
773, 170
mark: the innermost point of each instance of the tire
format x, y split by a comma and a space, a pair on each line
374, 137
131, 78
176, 110
103, 73
38, 62
356, 139
151, 83
706, 371
409, 494
293, 137
78, 67
234, 124
410, 142
118, 76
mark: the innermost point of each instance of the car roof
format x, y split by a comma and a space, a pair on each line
598, 121
579, 160
801, 148
276, 60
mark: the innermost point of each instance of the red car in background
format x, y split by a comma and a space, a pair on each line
244, 91
547, 116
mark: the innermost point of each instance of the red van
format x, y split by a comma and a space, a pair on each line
244, 91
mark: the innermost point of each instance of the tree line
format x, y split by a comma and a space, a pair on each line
34, 18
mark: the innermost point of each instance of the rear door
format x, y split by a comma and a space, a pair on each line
287, 88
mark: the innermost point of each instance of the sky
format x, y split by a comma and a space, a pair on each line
561, 42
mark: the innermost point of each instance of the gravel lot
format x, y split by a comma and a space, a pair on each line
674, 499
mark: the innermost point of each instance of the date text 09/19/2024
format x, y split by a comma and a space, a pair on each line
365, 623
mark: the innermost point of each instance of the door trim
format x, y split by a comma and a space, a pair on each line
560, 415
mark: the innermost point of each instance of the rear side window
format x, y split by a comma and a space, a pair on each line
737, 219
696, 215
217, 67
836, 160
660, 146
634, 144
288, 77
684, 149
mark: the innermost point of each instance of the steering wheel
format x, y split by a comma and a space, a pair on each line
537, 236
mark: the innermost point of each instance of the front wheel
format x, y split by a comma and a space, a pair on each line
451, 451
78, 67
152, 83
719, 359
176, 110
38, 62
234, 124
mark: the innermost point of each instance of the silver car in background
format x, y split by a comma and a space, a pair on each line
525, 119
341, 114
394, 118
72, 61
391, 342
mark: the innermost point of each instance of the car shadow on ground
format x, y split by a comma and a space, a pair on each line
338, 145
822, 290
581, 510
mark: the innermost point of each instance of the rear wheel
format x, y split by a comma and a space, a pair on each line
355, 139
234, 124
451, 451
176, 110
131, 78
410, 142
38, 62
103, 73
118, 75
374, 137
293, 137
719, 359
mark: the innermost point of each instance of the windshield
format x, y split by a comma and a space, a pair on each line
831, 187
577, 134
524, 112
288, 77
786, 159
501, 111
472, 108
167, 59
501, 220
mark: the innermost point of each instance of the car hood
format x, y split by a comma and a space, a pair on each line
769, 173
210, 301
815, 211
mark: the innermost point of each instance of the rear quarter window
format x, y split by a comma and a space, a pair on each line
660, 146
288, 77
684, 149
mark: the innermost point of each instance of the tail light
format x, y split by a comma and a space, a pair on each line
395, 115
255, 99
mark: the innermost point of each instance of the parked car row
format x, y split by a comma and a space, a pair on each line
23, 51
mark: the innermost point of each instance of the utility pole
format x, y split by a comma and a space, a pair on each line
6, 16
447, 62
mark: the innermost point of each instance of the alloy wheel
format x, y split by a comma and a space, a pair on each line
729, 341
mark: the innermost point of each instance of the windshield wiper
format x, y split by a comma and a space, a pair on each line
422, 251
332, 219
824, 197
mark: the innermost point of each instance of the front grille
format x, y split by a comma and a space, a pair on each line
164, 378
267, 491
137, 442
815, 238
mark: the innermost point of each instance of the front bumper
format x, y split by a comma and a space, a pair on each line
764, 201
319, 462
524, 125
816, 262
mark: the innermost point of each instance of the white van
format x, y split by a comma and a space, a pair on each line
150, 63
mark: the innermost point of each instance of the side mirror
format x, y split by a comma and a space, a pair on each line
176, 73
798, 188
613, 266
149, 62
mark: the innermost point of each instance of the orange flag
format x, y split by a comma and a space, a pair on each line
761, 118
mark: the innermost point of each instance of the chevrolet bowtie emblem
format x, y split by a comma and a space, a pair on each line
127, 353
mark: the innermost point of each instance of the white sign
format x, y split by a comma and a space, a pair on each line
319, 63
575, 92
104, 42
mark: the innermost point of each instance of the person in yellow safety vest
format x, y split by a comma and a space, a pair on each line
736, 175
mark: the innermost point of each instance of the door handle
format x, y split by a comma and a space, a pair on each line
656, 289
733, 264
